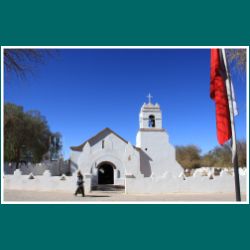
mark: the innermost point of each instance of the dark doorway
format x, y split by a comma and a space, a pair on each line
106, 174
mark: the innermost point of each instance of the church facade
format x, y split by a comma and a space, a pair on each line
107, 158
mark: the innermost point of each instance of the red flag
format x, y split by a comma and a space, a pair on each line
218, 93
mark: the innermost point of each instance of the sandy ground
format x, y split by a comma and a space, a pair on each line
116, 197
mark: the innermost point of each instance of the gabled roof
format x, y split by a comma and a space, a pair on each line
96, 138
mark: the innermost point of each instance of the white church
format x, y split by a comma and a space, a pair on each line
107, 158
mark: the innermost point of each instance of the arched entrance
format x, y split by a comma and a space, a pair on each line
105, 173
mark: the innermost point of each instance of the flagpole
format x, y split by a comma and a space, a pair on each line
233, 139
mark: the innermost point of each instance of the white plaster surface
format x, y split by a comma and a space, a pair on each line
134, 185
172, 184
44, 182
157, 154
56, 168
116, 151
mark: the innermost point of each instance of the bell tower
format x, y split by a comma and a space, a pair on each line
157, 155
150, 116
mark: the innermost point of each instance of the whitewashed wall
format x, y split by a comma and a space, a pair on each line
44, 182
172, 184
115, 151
56, 168
140, 185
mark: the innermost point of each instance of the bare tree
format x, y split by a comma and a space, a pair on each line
237, 58
22, 61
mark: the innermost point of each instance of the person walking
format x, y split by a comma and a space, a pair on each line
80, 188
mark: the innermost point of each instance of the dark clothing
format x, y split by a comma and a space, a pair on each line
79, 180
80, 188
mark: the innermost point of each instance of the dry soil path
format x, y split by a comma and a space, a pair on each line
116, 197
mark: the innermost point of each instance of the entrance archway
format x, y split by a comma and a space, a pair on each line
105, 173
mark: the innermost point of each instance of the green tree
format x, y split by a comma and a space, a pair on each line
26, 135
39, 133
14, 136
188, 156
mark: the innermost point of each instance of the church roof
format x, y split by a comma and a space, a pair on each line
97, 137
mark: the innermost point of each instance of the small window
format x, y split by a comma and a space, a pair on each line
151, 121
102, 144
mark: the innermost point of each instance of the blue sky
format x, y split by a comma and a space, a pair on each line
82, 91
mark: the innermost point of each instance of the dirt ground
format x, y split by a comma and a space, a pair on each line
115, 197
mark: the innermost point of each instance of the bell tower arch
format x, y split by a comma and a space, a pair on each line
150, 116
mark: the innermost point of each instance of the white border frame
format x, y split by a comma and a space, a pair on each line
121, 47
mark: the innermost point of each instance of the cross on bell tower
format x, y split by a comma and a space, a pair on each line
149, 98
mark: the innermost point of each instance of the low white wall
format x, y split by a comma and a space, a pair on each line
56, 168
45, 182
171, 184
151, 185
